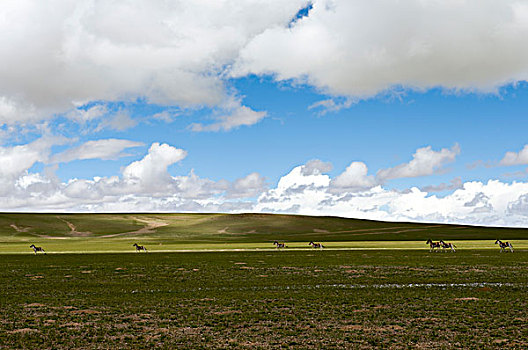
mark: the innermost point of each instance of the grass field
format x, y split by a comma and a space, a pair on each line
89, 233
87, 245
268, 299
215, 281
228, 228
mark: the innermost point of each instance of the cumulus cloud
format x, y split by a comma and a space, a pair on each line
248, 186
61, 55
144, 185
96, 149
151, 171
316, 167
519, 206
361, 48
354, 178
493, 203
17, 159
515, 158
425, 162
148, 185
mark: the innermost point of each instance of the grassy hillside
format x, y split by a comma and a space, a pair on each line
228, 228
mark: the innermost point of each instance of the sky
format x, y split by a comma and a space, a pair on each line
409, 110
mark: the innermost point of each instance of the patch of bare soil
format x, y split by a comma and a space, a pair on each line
151, 225
74, 325
73, 229
85, 312
427, 319
67, 307
23, 330
320, 230
34, 277
20, 228
227, 312
35, 305
224, 230
467, 299
375, 329
382, 230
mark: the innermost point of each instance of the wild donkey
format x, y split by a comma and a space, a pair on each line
448, 246
504, 245
433, 245
316, 245
139, 247
279, 245
37, 249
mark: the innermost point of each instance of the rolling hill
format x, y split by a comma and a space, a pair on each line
234, 228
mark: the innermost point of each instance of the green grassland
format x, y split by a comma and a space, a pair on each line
216, 281
265, 299
168, 232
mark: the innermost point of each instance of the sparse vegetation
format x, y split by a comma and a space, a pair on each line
275, 299
388, 294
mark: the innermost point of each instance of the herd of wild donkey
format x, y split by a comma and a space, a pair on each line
433, 246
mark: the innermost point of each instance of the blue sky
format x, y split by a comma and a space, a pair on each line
309, 107
381, 131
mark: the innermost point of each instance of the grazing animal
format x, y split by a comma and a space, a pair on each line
316, 245
279, 245
448, 246
433, 245
504, 245
139, 247
37, 249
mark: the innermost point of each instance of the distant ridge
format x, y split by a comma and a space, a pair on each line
232, 228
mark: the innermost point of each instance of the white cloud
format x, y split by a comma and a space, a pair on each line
97, 149
354, 179
234, 115
118, 121
454, 184
16, 160
330, 105
151, 171
86, 115
248, 186
65, 54
493, 203
514, 158
295, 190
316, 167
61, 55
166, 116
12, 111
147, 185
425, 162
362, 48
